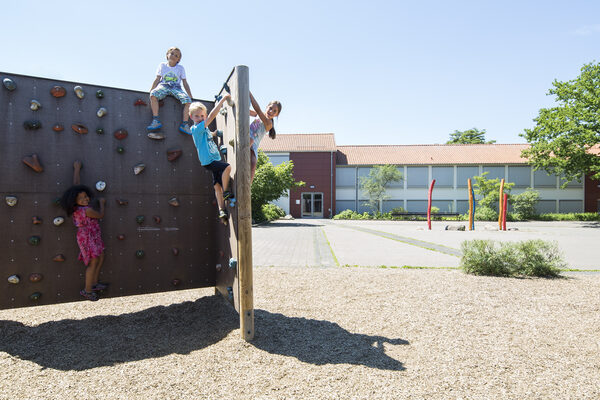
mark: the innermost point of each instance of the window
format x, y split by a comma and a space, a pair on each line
445, 206
494, 172
463, 174
542, 179
444, 176
520, 176
416, 205
345, 177
417, 177
570, 206
341, 205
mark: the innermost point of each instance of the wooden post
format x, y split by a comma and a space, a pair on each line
241, 96
471, 216
505, 203
501, 204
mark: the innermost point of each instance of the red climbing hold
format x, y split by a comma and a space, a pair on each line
58, 91
33, 162
79, 128
140, 102
121, 134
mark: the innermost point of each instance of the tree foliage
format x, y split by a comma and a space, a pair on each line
470, 136
376, 183
563, 135
270, 183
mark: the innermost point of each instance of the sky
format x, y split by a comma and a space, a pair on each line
371, 72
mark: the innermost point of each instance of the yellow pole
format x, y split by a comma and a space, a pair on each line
501, 204
470, 204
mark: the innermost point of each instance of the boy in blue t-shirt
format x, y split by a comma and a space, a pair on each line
208, 153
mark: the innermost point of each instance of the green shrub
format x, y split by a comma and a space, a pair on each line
485, 213
526, 258
272, 212
524, 204
569, 217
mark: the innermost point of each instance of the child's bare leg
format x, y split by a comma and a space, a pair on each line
186, 112
154, 106
225, 177
90, 271
219, 196
252, 165
98, 268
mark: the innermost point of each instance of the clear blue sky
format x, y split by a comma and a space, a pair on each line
372, 72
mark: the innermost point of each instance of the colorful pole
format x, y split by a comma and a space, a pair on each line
471, 213
504, 212
500, 204
429, 204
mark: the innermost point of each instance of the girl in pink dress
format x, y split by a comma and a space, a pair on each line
76, 202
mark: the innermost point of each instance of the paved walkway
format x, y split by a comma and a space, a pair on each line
325, 243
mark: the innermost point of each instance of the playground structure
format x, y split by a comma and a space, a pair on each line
161, 229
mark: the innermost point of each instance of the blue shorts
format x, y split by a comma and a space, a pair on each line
162, 91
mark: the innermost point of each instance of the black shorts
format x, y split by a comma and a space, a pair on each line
217, 168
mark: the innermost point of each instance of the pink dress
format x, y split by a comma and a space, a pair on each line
89, 236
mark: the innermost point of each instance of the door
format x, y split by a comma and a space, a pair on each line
312, 205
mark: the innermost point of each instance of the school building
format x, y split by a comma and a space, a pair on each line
332, 174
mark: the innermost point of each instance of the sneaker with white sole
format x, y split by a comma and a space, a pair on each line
185, 128
154, 125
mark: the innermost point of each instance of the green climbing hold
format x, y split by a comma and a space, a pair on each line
140, 219
32, 124
100, 94
120, 150
139, 254
34, 240
35, 296
100, 131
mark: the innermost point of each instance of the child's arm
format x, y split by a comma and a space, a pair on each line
187, 88
76, 169
266, 121
253, 113
213, 113
90, 212
156, 82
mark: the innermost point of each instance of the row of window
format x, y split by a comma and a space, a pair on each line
450, 176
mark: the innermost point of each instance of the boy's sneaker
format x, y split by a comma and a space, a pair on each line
90, 296
154, 125
99, 286
185, 128
223, 214
228, 195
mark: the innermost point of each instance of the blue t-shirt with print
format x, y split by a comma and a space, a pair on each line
203, 140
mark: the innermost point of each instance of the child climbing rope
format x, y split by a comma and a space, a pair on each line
169, 77
208, 153
76, 202
260, 126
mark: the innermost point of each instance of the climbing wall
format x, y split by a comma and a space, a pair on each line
160, 220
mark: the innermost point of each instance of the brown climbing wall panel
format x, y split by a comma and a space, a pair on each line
178, 247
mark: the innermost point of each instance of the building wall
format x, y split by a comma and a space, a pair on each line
318, 171
592, 195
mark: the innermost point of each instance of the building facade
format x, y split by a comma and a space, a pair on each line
333, 174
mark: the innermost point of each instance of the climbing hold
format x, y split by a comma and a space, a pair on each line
230, 293
58, 91
79, 128
218, 267
139, 253
232, 143
140, 219
218, 98
58, 221
138, 168
232, 203
226, 87
11, 200
121, 134
214, 202
99, 94
175, 282
100, 131
14, 279
101, 112
36, 220
174, 202
56, 201
35, 277
221, 253
122, 202
175, 251
223, 149
223, 111
35, 105
33, 162
79, 92
232, 263
174, 154
35, 296
219, 133
100, 186
9, 84
32, 124
140, 102
34, 240
156, 136
121, 237
59, 258
58, 128
120, 149
156, 219
230, 101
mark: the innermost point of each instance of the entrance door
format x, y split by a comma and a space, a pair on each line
312, 205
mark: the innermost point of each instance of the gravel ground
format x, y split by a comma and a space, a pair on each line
321, 333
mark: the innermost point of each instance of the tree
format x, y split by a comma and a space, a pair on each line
470, 136
375, 184
270, 183
564, 135
488, 191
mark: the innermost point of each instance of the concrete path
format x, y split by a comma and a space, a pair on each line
324, 243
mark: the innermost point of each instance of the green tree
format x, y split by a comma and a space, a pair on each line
270, 183
470, 136
563, 135
488, 191
375, 184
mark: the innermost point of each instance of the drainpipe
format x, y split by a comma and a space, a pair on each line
330, 184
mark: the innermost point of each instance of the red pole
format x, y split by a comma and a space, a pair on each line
504, 212
429, 204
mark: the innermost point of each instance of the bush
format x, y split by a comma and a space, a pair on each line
272, 212
349, 214
485, 213
526, 258
524, 204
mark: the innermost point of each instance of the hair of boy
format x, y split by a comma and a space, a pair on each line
172, 49
197, 106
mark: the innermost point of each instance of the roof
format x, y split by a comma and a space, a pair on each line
427, 154
297, 143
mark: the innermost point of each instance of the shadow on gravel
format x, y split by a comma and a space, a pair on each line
108, 340
321, 342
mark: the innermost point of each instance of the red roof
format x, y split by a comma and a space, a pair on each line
297, 143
